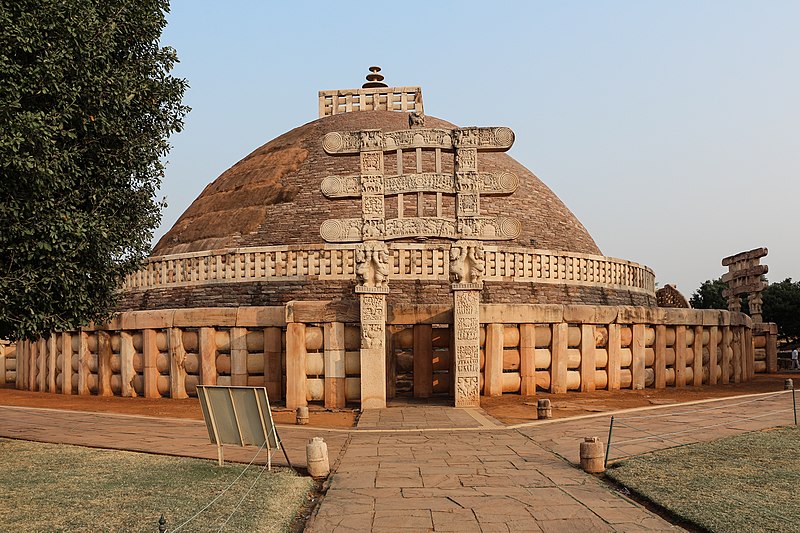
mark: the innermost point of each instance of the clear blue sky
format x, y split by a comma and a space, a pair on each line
671, 129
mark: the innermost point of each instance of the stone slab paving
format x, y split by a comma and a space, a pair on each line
168, 436
644, 430
425, 417
482, 481
437, 468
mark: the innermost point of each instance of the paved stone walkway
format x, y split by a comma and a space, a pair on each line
425, 417
468, 482
167, 436
418, 468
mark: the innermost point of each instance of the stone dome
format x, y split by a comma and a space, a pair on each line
273, 196
376, 188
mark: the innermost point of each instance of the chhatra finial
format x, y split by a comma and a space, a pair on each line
374, 79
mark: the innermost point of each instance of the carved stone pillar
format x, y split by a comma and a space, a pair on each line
466, 270
372, 270
754, 301
373, 339
466, 321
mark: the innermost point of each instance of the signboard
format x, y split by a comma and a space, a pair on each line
239, 416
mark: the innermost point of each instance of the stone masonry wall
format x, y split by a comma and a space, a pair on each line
401, 292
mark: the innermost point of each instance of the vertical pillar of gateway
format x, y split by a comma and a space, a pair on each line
372, 271
466, 321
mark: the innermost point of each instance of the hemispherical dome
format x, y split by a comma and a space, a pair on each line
273, 196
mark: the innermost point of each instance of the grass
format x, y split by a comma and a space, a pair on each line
744, 483
50, 487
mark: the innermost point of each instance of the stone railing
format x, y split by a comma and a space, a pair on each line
525, 348
403, 99
168, 353
8, 362
409, 261
309, 351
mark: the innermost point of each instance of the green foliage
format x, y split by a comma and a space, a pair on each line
781, 303
86, 107
709, 295
782, 306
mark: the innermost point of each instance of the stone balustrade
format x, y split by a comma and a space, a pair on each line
408, 261
309, 351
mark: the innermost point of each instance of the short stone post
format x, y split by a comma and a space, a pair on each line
788, 384
302, 416
543, 409
592, 455
317, 458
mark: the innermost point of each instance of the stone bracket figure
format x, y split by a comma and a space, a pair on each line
372, 266
467, 264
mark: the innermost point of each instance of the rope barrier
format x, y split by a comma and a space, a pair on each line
263, 468
209, 504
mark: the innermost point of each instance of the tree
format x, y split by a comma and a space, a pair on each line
780, 303
86, 107
782, 306
709, 295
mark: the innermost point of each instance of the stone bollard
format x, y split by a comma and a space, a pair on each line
592, 455
317, 458
543, 409
302, 416
788, 384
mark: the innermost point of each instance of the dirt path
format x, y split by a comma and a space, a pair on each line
514, 409
509, 408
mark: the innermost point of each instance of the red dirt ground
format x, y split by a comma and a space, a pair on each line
509, 408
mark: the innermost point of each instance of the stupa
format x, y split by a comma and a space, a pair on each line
379, 252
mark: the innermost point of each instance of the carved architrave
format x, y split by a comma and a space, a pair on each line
371, 140
476, 228
351, 142
419, 138
466, 308
486, 183
341, 186
489, 139
466, 183
341, 142
489, 228
467, 264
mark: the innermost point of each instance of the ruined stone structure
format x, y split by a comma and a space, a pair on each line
744, 278
379, 252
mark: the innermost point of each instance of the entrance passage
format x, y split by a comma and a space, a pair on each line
419, 361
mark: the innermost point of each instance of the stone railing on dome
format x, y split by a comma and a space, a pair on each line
309, 351
410, 261
403, 99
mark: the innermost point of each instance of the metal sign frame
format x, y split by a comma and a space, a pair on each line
239, 416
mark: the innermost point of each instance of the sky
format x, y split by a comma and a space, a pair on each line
671, 129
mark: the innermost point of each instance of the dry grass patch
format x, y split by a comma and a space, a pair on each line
744, 483
50, 487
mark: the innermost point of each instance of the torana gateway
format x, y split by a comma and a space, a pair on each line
377, 252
